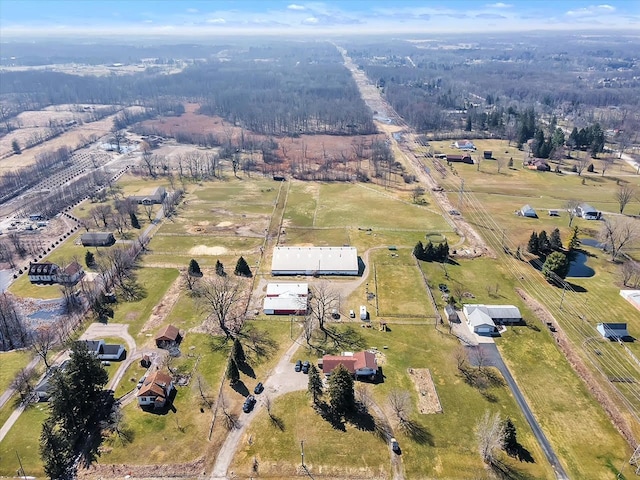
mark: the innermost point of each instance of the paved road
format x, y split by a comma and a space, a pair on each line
491, 356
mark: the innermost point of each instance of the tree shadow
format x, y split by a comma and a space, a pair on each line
418, 433
247, 369
523, 454
240, 388
362, 419
276, 422
327, 413
505, 471
259, 343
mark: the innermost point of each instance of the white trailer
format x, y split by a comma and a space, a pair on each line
363, 312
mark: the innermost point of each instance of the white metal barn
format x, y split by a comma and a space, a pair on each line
286, 299
314, 261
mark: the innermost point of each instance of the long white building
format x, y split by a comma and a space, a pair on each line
314, 261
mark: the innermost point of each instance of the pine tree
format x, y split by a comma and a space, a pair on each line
418, 251
220, 269
511, 444
544, 246
429, 251
242, 268
89, 259
556, 265
315, 384
574, 241
233, 374
468, 125
194, 268
341, 395
55, 450
237, 352
532, 246
555, 242
134, 220
16, 147
442, 251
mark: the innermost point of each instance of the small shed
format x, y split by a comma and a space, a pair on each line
488, 154
527, 211
168, 337
613, 331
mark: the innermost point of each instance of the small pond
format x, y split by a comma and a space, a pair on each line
579, 267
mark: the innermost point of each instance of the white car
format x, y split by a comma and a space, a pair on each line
352, 314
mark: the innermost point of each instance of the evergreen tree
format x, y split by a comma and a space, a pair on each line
532, 246
242, 268
314, 387
555, 242
557, 139
89, 259
429, 251
194, 268
556, 265
233, 374
341, 395
418, 251
511, 444
220, 269
468, 126
237, 352
590, 168
16, 147
544, 246
134, 220
574, 241
55, 451
510, 164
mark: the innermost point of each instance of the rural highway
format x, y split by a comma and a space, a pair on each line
493, 358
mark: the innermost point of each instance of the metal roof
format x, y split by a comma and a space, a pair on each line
315, 259
294, 289
287, 303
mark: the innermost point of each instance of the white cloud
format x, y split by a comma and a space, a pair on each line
311, 21
499, 5
591, 10
293, 6
192, 10
216, 20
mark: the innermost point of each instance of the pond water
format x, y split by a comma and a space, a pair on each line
579, 267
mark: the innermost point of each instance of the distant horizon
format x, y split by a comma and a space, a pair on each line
197, 18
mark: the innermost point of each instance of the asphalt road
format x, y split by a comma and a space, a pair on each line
491, 356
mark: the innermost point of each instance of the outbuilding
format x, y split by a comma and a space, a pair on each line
286, 299
168, 337
613, 331
97, 239
586, 211
314, 261
450, 314
527, 211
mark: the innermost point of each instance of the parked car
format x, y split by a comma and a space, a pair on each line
395, 446
259, 388
298, 366
248, 404
106, 363
352, 314
141, 381
305, 366
443, 288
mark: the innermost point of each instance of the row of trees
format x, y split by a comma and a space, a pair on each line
543, 244
430, 252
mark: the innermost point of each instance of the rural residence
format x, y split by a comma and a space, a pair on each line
153, 196
631, 296
105, 351
48, 273
97, 239
586, 211
460, 159
485, 318
464, 145
361, 364
155, 390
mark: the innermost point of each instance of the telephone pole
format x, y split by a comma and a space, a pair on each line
302, 453
460, 197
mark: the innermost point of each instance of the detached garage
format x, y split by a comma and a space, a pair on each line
286, 299
314, 261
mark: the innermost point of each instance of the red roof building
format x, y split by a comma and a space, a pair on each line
360, 364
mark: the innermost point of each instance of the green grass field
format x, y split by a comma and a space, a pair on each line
27, 446
10, 364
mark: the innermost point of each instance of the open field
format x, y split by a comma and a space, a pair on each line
442, 446
27, 446
12, 362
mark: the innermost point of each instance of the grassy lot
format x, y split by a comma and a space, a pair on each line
532, 355
155, 282
445, 446
398, 285
22, 287
186, 313
191, 245
130, 379
26, 445
10, 364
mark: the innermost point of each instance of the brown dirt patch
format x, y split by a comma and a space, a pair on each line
178, 470
428, 400
162, 309
204, 250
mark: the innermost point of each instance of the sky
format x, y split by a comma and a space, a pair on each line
255, 17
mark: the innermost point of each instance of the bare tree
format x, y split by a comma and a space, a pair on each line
571, 206
18, 245
221, 294
24, 383
630, 273
400, 403
461, 357
364, 396
605, 163
103, 213
624, 194
203, 390
322, 300
230, 419
417, 193
490, 436
582, 163
618, 233
499, 163
43, 340
13, 330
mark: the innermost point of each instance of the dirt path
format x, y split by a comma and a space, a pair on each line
388, 120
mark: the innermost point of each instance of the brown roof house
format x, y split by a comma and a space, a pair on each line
156, 389
168, 337
360, 364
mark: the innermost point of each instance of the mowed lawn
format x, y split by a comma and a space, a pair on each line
558, 398
11, 363
398, 285
26, 445
443, 448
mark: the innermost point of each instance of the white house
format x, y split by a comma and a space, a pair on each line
464, 145
586, 211
155, 390
105, 351
484, 318
314, 261
480, 322
613, 331
631, 296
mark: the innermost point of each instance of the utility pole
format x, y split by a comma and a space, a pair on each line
461, 195
302, 453
24, 475
564, 289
